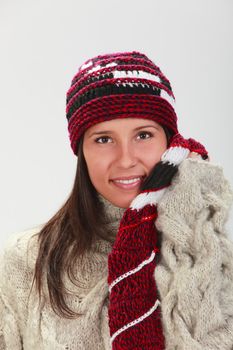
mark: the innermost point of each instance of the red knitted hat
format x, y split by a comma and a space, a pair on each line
118, 85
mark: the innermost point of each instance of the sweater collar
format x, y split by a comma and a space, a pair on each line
113, 216
113, 213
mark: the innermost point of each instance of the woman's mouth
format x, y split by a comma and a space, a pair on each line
128, 183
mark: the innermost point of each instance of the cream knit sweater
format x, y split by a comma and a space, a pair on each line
194, 276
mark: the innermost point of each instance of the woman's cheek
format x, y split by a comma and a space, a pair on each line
99, 166
151, 154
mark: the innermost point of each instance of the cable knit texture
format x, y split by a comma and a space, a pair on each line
24, 324
194, 276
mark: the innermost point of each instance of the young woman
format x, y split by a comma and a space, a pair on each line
138, 256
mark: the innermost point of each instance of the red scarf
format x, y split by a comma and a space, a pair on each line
135, 318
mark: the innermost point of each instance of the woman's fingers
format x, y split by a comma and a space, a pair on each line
196, 155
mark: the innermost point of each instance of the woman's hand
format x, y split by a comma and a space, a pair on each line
196, 155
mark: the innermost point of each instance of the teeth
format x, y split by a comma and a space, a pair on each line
128, 181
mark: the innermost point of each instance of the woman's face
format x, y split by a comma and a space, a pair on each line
119, 153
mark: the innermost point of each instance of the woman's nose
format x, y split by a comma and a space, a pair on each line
126, 156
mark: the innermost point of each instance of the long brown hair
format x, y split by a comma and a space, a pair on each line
69, 234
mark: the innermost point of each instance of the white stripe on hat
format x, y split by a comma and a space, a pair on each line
138, 74
96, 68
167, 97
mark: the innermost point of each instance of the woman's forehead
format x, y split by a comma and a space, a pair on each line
118, 123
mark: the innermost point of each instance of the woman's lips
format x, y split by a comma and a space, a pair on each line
128, 183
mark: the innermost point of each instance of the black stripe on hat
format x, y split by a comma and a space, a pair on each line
107, 90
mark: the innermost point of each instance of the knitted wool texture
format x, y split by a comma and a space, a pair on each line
134, 311
194, 276
195, 273
26, 323
119, 85
130, 85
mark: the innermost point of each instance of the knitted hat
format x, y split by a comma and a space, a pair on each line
118, 85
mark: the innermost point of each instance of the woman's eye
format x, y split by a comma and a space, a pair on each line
144, 135
103, 139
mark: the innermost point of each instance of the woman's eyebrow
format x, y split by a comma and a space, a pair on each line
101, 132
111, 132
147, 126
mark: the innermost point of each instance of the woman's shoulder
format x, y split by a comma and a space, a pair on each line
22, 243
19, 254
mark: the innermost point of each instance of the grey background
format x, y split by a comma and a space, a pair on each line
42, 45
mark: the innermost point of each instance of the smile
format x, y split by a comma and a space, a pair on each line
130, 183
